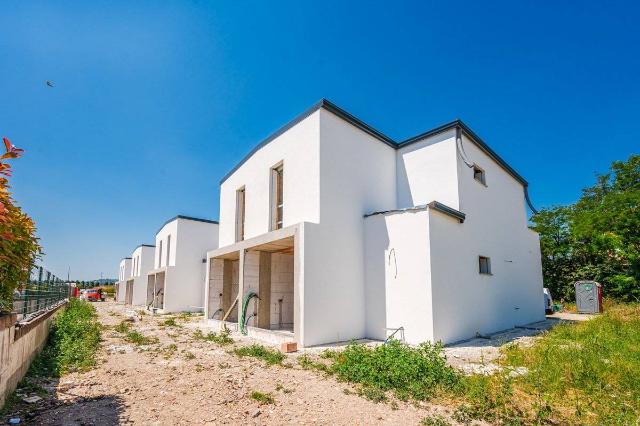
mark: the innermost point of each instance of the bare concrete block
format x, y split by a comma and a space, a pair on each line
288, 347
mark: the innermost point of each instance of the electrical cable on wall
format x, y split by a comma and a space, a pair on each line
471, 164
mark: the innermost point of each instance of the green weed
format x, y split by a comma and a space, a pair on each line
262, 398
223, 338
417, 372
271, 356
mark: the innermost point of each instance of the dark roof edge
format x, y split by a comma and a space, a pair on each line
329, 106
125, 258
475, 138
195, 219
143, 245
435, 205
353, 120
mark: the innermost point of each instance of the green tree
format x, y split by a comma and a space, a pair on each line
596, 238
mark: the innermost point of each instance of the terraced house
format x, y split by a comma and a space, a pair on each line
331, 231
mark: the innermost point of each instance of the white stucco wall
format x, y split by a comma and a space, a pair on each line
357, 176
398, 275
464, 301
427, 172
298, 149
185, 274
124, 272
141, 263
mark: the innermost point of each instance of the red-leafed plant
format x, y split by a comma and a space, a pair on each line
19, 246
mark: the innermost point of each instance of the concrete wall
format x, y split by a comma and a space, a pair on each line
18, 347
398, 275
298, 150
281, 288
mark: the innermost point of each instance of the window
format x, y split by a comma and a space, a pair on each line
160, 254
240, 210
478, 174
168, 249
484, 264
277, 199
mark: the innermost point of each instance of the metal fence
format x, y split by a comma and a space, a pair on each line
41, 293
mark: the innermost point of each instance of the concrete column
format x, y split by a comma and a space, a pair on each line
241, 263
264, 291
227, 285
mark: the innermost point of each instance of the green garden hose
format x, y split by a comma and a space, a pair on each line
243, 311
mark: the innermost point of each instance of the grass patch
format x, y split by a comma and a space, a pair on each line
271, 356
262, 398
308, 364
417, 372
73, 341
223, 338
140, 339
436, 420
583, 373
134, 336
171, 322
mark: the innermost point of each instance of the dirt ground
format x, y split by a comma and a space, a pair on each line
182, 380
198, 382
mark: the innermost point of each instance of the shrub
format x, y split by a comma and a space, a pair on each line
19, 246
258, 351
416, 372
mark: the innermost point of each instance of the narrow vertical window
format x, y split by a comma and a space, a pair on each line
240, 210
484, 264
277, 197
168, 249
160, 255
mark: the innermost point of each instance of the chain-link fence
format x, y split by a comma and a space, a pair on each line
41, 293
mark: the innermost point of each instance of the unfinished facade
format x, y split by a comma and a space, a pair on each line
136, 283
175, 284
331, 231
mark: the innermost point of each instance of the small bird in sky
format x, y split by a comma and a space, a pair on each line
49, 83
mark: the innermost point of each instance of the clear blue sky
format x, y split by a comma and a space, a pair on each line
155, 101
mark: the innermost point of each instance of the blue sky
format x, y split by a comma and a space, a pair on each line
155, 101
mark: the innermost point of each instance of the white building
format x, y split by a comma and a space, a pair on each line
124, 272
136, 283
343, 233
176, 282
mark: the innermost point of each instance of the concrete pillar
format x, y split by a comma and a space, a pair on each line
227, 285
241, 263
264, 291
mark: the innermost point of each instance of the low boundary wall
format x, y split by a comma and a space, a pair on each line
19, 345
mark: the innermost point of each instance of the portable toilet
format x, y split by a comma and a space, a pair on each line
588, 297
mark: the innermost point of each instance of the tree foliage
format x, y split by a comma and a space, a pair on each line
19, 246
597, 238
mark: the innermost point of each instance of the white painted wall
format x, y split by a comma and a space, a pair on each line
466, 302
398, 275
334, 173
141, 263
427, 172
298, 148
124, 272
357, 176
185, 278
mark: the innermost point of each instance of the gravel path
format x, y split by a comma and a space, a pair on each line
181, 380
